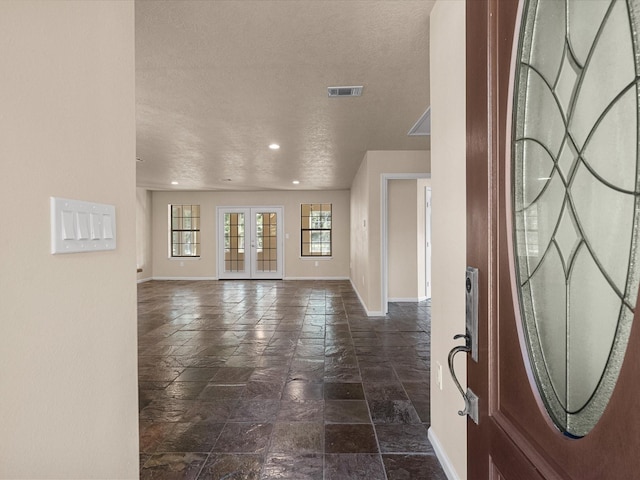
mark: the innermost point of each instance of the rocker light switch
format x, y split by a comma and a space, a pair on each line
96, 226
68, 225
107, 223
83, 226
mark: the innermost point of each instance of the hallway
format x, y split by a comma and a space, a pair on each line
281, 380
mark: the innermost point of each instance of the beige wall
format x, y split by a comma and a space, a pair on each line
68, 379
336, 267
406, 239
448, 429
143, 234
402, 246
359, 205
366, 214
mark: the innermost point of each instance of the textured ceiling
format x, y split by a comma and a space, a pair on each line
218, 81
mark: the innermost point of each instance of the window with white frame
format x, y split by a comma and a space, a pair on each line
315, 234
185, 230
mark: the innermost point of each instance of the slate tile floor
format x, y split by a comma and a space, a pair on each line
281, 380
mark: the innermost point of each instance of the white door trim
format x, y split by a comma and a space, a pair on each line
384, 233
427, 237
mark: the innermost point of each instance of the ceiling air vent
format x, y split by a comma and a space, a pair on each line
345, 91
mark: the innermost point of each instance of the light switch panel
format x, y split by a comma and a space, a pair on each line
78, 226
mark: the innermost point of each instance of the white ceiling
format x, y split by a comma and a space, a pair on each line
218, 81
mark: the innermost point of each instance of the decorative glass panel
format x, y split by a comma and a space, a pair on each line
266, 242
234, 242
575, 198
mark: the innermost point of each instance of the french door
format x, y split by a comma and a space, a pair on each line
250, 242
558, 392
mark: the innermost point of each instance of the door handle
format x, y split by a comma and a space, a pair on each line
454, 351
470, 342
470, 399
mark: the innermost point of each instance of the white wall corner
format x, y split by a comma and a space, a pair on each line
448, 155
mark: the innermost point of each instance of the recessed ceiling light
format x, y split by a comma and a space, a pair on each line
174, 183
296, 182
274, 146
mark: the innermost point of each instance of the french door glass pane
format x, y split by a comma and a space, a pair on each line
266, 242
234, 242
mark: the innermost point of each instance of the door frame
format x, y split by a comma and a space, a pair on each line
384, 231
427, 240
250, 238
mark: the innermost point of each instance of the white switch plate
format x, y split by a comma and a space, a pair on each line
78, 226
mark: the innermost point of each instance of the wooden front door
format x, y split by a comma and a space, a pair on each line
516, 439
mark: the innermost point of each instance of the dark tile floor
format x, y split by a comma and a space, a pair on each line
281, 380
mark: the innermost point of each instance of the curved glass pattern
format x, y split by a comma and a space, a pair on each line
575, 198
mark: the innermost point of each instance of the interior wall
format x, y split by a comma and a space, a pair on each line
366, 208
295, 267
448, 140
143, 234
386, 162
68, 381
359, 205
402, 240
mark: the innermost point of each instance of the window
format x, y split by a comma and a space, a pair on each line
316, 229
185, 230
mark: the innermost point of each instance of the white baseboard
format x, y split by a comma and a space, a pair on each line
368, 312
358, 295
316, 278
412, 299
216, 278
185, 278
400, 300
142, 280
444, 459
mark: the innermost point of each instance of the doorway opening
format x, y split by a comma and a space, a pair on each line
417, 225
